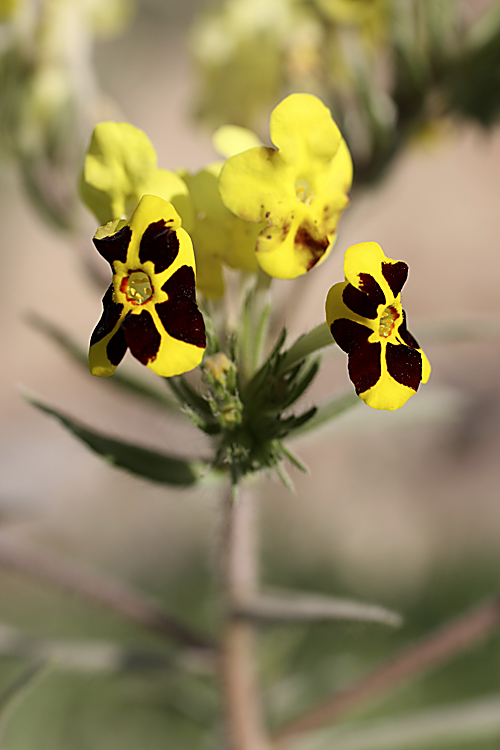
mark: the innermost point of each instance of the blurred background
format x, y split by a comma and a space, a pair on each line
400, 508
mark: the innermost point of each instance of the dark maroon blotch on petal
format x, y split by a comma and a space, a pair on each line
111, 312
364, 366
368, 285
141, 336
395, 274
116, 348
347, 333
359, 303
406, 335
159, 244
179, 314
404, 365
115, 246
364, 358
314, 248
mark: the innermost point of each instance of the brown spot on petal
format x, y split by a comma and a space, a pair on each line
364, 366
141, 336
359, 303
160, 245
369, 286
347, 333
395, 274
111, 312
404, 333
115, 246
404, 365
314, 248
364, 358
179, 314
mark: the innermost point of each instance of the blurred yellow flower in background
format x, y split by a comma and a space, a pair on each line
120, 167
298, 189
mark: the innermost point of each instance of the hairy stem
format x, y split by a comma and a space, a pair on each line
244, 724
442, 644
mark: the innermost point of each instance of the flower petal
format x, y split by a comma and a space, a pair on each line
336, 308
363, 269
106, 343
299, 190
153, 210
119, 158
229, 140
404, 364
179, 314
121, 167
302, 128
174, 356
395, 272
142, 336
257, 184
387, 394
159, 244
113, 246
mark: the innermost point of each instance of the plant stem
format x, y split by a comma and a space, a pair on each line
116, 596
244, 724
440, 645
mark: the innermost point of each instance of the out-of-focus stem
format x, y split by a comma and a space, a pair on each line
67, 575
244, 723
433, 649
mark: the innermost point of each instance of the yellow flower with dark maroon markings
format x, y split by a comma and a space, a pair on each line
150, 307
298, 189
367, 321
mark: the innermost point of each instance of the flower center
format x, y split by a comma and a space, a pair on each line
139, 288
303, 192
387, 321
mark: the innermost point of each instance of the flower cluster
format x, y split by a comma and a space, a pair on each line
274, 210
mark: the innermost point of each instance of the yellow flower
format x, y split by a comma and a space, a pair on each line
219, 237
150, 306
298, 189
121, 167
367, 321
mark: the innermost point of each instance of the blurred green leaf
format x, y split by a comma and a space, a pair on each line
446, 726
152, 465
16, 691
79, 355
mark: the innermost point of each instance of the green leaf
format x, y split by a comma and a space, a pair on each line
157, 467
327, 412
17, 690
458, 725
79, 355
302, 383
308, 343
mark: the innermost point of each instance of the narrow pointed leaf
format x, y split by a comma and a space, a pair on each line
157, 467
309, 373
185, 393
327, 412
296, 606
